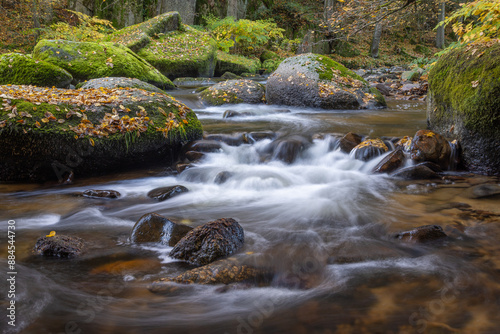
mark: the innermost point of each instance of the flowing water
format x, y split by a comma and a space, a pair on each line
324, 218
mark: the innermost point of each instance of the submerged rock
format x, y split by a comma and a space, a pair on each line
483, 191
130, 267
209, 242
417, 172
224, 271
312, 80
463, 103
153, 227
430, 146
203, 146
234, 91
236, 139
164, 193
422, 234
91, 193
62, 246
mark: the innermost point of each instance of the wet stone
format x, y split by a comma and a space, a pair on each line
153, 227
164, 193
483, 191
226, 271
91, 193
193, 155
391, 162
62, 246
222, 177
430, 146
422, 234
182, 167
417, 172
231, 140
254, 137
233, 113
204, 146
349, 141
369, 149
210, 242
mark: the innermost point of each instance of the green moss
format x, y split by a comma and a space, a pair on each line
19, 69
188, 53
346, 49
268, 55
235, 64
86, 60
378, 97
220, 98
139, 35
271, 65
34, 135
465, 84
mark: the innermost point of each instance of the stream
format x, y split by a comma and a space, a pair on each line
325, 215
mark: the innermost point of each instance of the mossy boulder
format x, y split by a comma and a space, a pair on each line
176, 51
235, 64
268, 55
47, 134
20, 69
464, 104
119, 82
137, 36
233, 92
88, 60
312, 80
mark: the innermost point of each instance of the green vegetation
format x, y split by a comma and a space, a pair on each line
243, 36
235, 64
19, 69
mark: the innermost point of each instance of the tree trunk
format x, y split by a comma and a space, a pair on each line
377, 34
440, 29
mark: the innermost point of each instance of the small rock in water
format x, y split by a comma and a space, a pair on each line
153, 227
62, 246
231, 140
430, 146
182, 167
423, 233
349, 141
164, 193
193, 155
417, 172
391, 162
204, 146
91, 193
383, 89
222, 177
233, 113
254, 137
483, 190
369, 149
209, 242
131, 267
226, 271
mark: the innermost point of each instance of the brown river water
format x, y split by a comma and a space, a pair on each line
324, 217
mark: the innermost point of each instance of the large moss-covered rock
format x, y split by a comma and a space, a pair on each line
20, 69
88, 60
464, 104
176, 50
140, 35
235, 64
234, 91
316, 81
46, 134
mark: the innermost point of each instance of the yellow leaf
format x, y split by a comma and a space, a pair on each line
91, 141
51, 234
